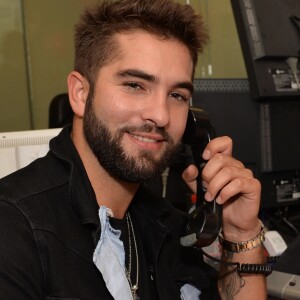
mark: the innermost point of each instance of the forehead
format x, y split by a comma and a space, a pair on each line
152, 53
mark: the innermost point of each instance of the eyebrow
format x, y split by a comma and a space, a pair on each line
188, 85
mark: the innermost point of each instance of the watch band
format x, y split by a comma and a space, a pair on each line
237, 247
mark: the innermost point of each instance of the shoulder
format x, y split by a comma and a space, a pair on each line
41, 175
35, 192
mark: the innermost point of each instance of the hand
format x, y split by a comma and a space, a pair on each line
234, 186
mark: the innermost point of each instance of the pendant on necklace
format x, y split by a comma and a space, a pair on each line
134, 294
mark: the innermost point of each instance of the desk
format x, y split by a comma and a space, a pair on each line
284, 282
283, 286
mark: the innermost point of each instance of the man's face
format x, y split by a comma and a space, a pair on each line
134, 121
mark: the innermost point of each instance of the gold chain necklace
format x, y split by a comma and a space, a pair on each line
133, 286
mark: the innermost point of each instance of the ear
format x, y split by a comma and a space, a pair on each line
78, 88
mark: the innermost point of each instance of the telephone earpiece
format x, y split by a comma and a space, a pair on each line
204, 223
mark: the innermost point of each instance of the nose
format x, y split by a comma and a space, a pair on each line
157, 111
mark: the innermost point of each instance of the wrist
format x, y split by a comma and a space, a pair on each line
239, 235
242, 245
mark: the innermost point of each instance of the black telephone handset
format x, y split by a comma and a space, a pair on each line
204, 223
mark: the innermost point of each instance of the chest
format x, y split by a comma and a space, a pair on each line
70, 273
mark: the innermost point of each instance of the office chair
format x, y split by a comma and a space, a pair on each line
60, 111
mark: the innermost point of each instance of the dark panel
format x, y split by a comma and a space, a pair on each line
266, 135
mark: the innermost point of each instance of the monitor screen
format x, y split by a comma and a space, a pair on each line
269, 32
277, 21
19, 148
272, 26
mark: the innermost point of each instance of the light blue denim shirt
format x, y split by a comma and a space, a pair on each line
109, 257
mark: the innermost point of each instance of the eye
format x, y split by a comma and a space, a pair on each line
133, 85
179, 96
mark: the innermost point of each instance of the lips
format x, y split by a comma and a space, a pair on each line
145, 139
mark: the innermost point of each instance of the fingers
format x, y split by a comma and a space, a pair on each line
249, 188
230, 183
189, 176
218, 145
225, 177
222, 145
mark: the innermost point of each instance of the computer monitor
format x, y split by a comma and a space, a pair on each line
19, 148
269, 32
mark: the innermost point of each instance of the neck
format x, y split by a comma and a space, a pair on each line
114, 194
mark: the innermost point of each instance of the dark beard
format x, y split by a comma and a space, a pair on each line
108, 150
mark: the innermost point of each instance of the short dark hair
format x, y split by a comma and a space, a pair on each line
94, 33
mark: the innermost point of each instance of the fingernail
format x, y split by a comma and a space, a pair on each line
219, 200
206, 154
208, 196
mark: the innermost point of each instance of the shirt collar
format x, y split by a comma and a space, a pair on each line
81, 191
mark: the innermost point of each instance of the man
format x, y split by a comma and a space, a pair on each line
78, 224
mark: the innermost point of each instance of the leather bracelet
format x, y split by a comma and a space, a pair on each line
243, 246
